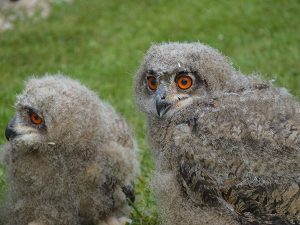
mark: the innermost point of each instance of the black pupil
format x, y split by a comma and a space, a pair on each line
184, 82
153, 82
36, 116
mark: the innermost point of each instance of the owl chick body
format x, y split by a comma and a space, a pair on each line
71, 157
226, 146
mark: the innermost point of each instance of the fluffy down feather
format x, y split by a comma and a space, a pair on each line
227, 148
76, 166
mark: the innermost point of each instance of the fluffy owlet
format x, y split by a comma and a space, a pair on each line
226, 145
70, 158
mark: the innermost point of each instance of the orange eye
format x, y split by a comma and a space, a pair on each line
184, 82
152, 83
36, 119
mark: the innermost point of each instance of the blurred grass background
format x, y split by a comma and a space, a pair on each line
102, 42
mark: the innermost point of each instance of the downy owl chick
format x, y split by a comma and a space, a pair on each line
226, 145
70, 157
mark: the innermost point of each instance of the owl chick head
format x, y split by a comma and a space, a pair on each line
173, 74
54, 111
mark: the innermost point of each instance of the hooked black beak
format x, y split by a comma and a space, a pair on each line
162, 105
10, 131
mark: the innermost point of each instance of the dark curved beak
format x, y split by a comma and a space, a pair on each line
10, 131
162, 105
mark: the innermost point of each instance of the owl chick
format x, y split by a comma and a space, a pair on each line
70, 158
226, 145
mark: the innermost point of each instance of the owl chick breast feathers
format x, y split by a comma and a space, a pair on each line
71, 158
226, 145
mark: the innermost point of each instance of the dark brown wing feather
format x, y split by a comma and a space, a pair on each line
198, 183
265, 203
258, 203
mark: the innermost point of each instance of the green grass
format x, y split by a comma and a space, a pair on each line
102, 42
